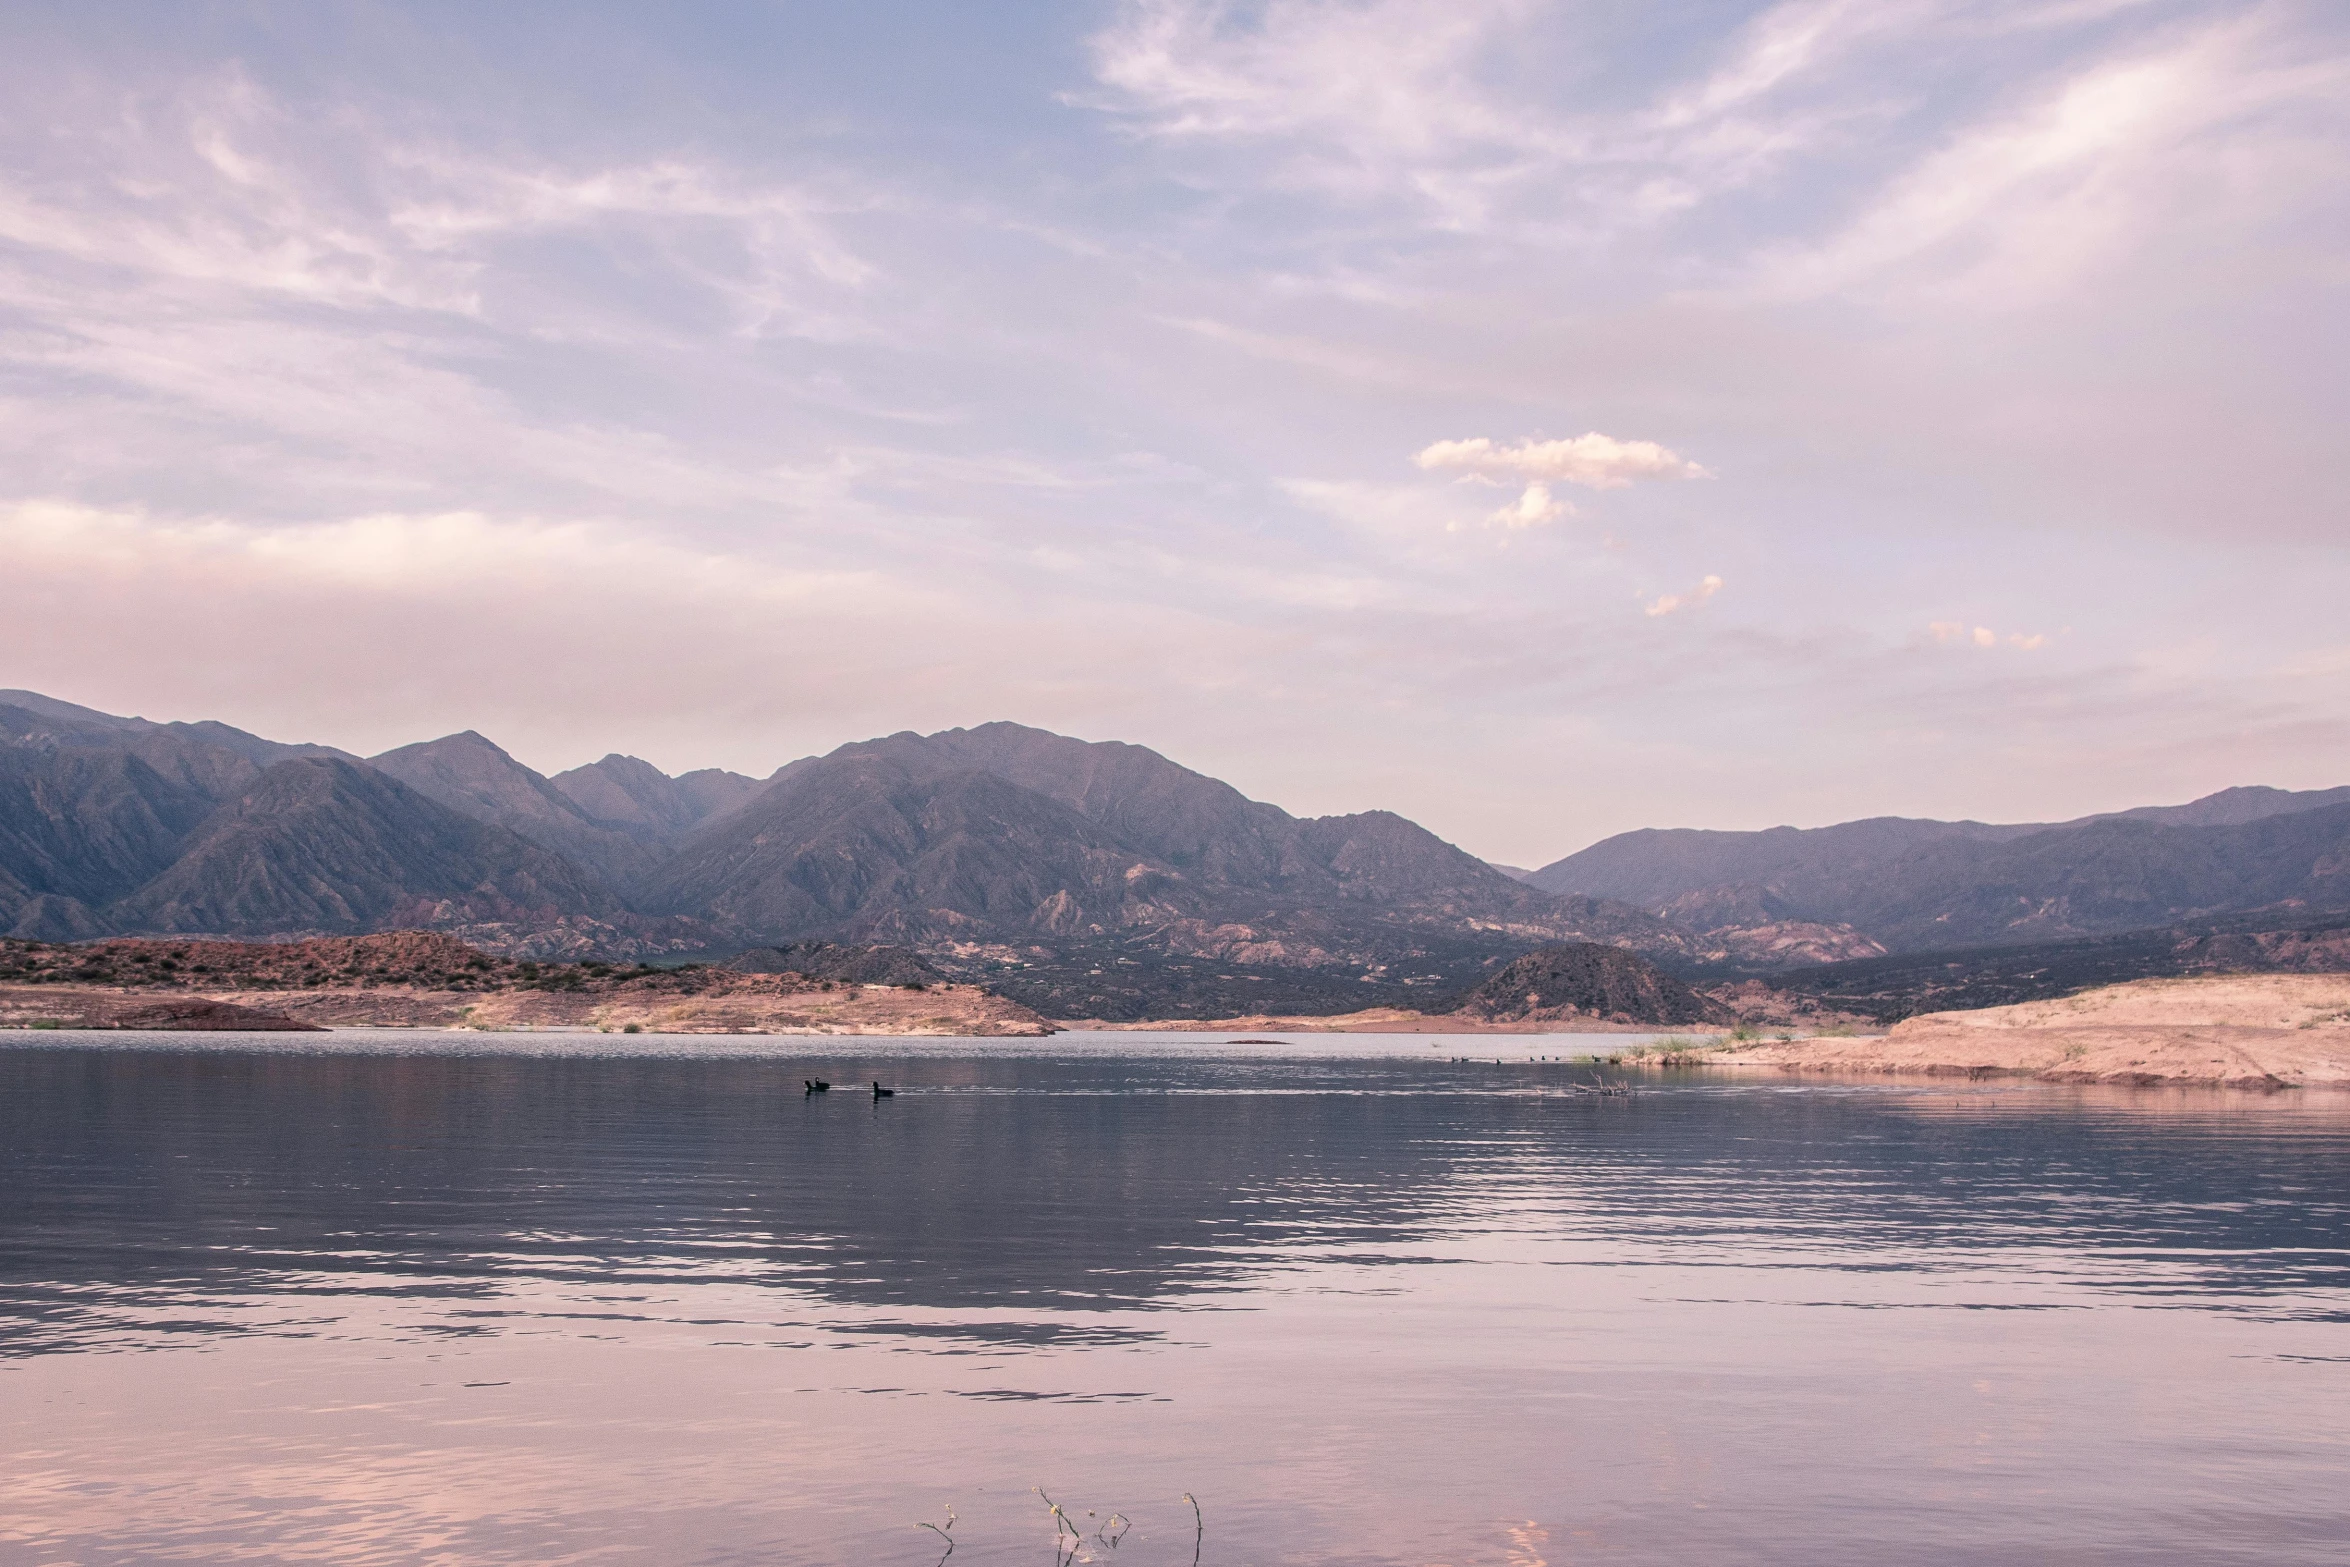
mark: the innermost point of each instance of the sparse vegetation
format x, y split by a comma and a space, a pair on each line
1094, 1542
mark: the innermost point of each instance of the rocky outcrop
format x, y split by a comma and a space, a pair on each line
1585, 980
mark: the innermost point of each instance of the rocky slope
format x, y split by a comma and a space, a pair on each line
1059, 862
475, 777
635, 797
847, 963
319, 843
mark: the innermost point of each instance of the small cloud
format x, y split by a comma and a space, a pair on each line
1673, 601
1946, 632
1595, 461
1532, 509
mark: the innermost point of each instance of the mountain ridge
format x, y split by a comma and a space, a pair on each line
1090, 878
1913, 885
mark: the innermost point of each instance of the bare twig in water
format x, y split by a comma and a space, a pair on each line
1061, 1521
1069, 1541
947, 1534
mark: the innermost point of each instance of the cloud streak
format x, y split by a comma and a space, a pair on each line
1673, 603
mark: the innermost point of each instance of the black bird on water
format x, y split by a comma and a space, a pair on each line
880, 1092
817, 1085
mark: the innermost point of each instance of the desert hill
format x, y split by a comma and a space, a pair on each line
1583, 980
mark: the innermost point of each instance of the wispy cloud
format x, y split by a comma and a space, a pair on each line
1671, 603
1956, 632
2218, 122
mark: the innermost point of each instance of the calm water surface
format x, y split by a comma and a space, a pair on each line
422, 1298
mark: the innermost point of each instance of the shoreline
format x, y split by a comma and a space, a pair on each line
2251, 1031
731, 1004
1381, 1020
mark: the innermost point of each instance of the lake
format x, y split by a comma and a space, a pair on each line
423, 1298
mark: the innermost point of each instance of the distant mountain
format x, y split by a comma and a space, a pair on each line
81, 827
1083, 878
2230, 807
28, 715
1012, 837
1916, 885
119, 824
635, 797
474, 776
321, 844
1100, 878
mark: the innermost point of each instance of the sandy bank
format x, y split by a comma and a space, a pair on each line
1378, 1020
714, 1004
2237, 1030
52, 1006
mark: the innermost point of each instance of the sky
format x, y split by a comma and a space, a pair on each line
1544, 418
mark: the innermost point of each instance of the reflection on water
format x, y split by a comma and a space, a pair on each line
572, 1299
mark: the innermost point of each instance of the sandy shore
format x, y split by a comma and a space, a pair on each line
2235, 1030
1377, 1020
720, 1004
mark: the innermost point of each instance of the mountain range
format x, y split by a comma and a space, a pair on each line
1101, 879
1083, 878
1916, 886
